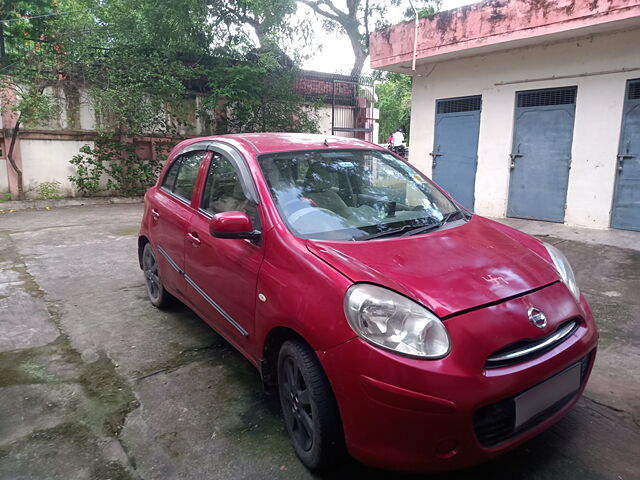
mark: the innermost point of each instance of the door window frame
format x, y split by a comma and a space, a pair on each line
239, 164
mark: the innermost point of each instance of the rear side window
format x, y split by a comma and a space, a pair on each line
181, 176
170, 178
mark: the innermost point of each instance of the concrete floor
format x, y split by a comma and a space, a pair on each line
95, 383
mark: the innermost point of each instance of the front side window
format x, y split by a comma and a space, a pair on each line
223, 190
352, 194
180, 179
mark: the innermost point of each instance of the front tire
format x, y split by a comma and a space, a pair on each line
309, 408
156, 292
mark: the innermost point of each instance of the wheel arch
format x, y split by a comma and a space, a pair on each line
142, 241
270, 349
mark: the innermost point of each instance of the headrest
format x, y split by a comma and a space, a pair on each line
319, 177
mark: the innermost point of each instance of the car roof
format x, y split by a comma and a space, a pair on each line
283, 142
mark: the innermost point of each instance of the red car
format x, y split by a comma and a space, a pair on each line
396, 325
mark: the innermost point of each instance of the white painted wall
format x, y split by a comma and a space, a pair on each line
598, 119
4, 181
324, 119
48, 160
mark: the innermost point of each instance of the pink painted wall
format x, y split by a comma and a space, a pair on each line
493, 22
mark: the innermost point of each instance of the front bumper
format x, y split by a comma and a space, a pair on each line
427, 415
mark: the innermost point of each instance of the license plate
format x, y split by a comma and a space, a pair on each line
543, 396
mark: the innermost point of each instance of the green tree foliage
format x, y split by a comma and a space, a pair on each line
34, 59
394, 102
138, 61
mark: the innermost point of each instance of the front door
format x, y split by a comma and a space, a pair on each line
455, 153
223, 273
626, 203
541, 153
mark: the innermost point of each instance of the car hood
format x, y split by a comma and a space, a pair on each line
450, 270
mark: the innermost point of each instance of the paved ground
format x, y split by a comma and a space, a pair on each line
97, 384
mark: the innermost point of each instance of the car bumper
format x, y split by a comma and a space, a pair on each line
425, 415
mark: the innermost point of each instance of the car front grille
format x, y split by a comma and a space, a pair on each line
495, 423
527, 349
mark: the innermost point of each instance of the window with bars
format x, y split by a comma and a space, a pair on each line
547, 97
464, 104
634, 90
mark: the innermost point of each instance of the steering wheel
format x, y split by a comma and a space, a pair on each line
295, 201
299, 214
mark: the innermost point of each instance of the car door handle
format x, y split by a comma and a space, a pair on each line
155, 214
193, 238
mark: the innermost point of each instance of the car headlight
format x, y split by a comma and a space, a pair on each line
564, 269
393, 322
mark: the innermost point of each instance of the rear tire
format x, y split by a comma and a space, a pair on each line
309, 407
156, 292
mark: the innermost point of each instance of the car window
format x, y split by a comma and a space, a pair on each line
169, 180
187, 174
223, 190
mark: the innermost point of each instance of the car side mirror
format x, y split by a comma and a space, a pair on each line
233, 225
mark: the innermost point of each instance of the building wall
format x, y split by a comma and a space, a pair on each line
48, 160
45, 149
498, 76
4, 181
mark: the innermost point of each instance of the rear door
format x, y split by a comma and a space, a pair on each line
223, 273
171, 213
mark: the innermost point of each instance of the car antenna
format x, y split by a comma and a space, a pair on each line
326, 144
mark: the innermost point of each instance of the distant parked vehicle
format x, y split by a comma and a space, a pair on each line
394, 324
400, 150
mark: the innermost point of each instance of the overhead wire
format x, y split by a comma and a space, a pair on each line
7, 20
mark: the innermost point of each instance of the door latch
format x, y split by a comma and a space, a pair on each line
435, 154
621, 158
513, 156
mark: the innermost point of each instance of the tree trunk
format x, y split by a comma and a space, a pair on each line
358, 64
3, 53
12, 162
361, 57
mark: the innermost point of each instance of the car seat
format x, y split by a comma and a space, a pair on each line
318, 184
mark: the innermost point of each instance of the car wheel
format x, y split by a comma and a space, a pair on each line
158, 296
309, 408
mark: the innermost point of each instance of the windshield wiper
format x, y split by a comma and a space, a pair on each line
389, 232
433, 226
407, 230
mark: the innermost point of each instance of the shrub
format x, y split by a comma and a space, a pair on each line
115, 167
49, 190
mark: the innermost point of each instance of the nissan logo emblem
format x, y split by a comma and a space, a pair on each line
537, 317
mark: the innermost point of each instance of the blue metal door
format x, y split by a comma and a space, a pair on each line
626, 203
455, 153
541, 155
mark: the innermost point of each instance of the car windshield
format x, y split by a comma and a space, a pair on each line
352, 194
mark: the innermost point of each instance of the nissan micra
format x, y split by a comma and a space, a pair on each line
395, 325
